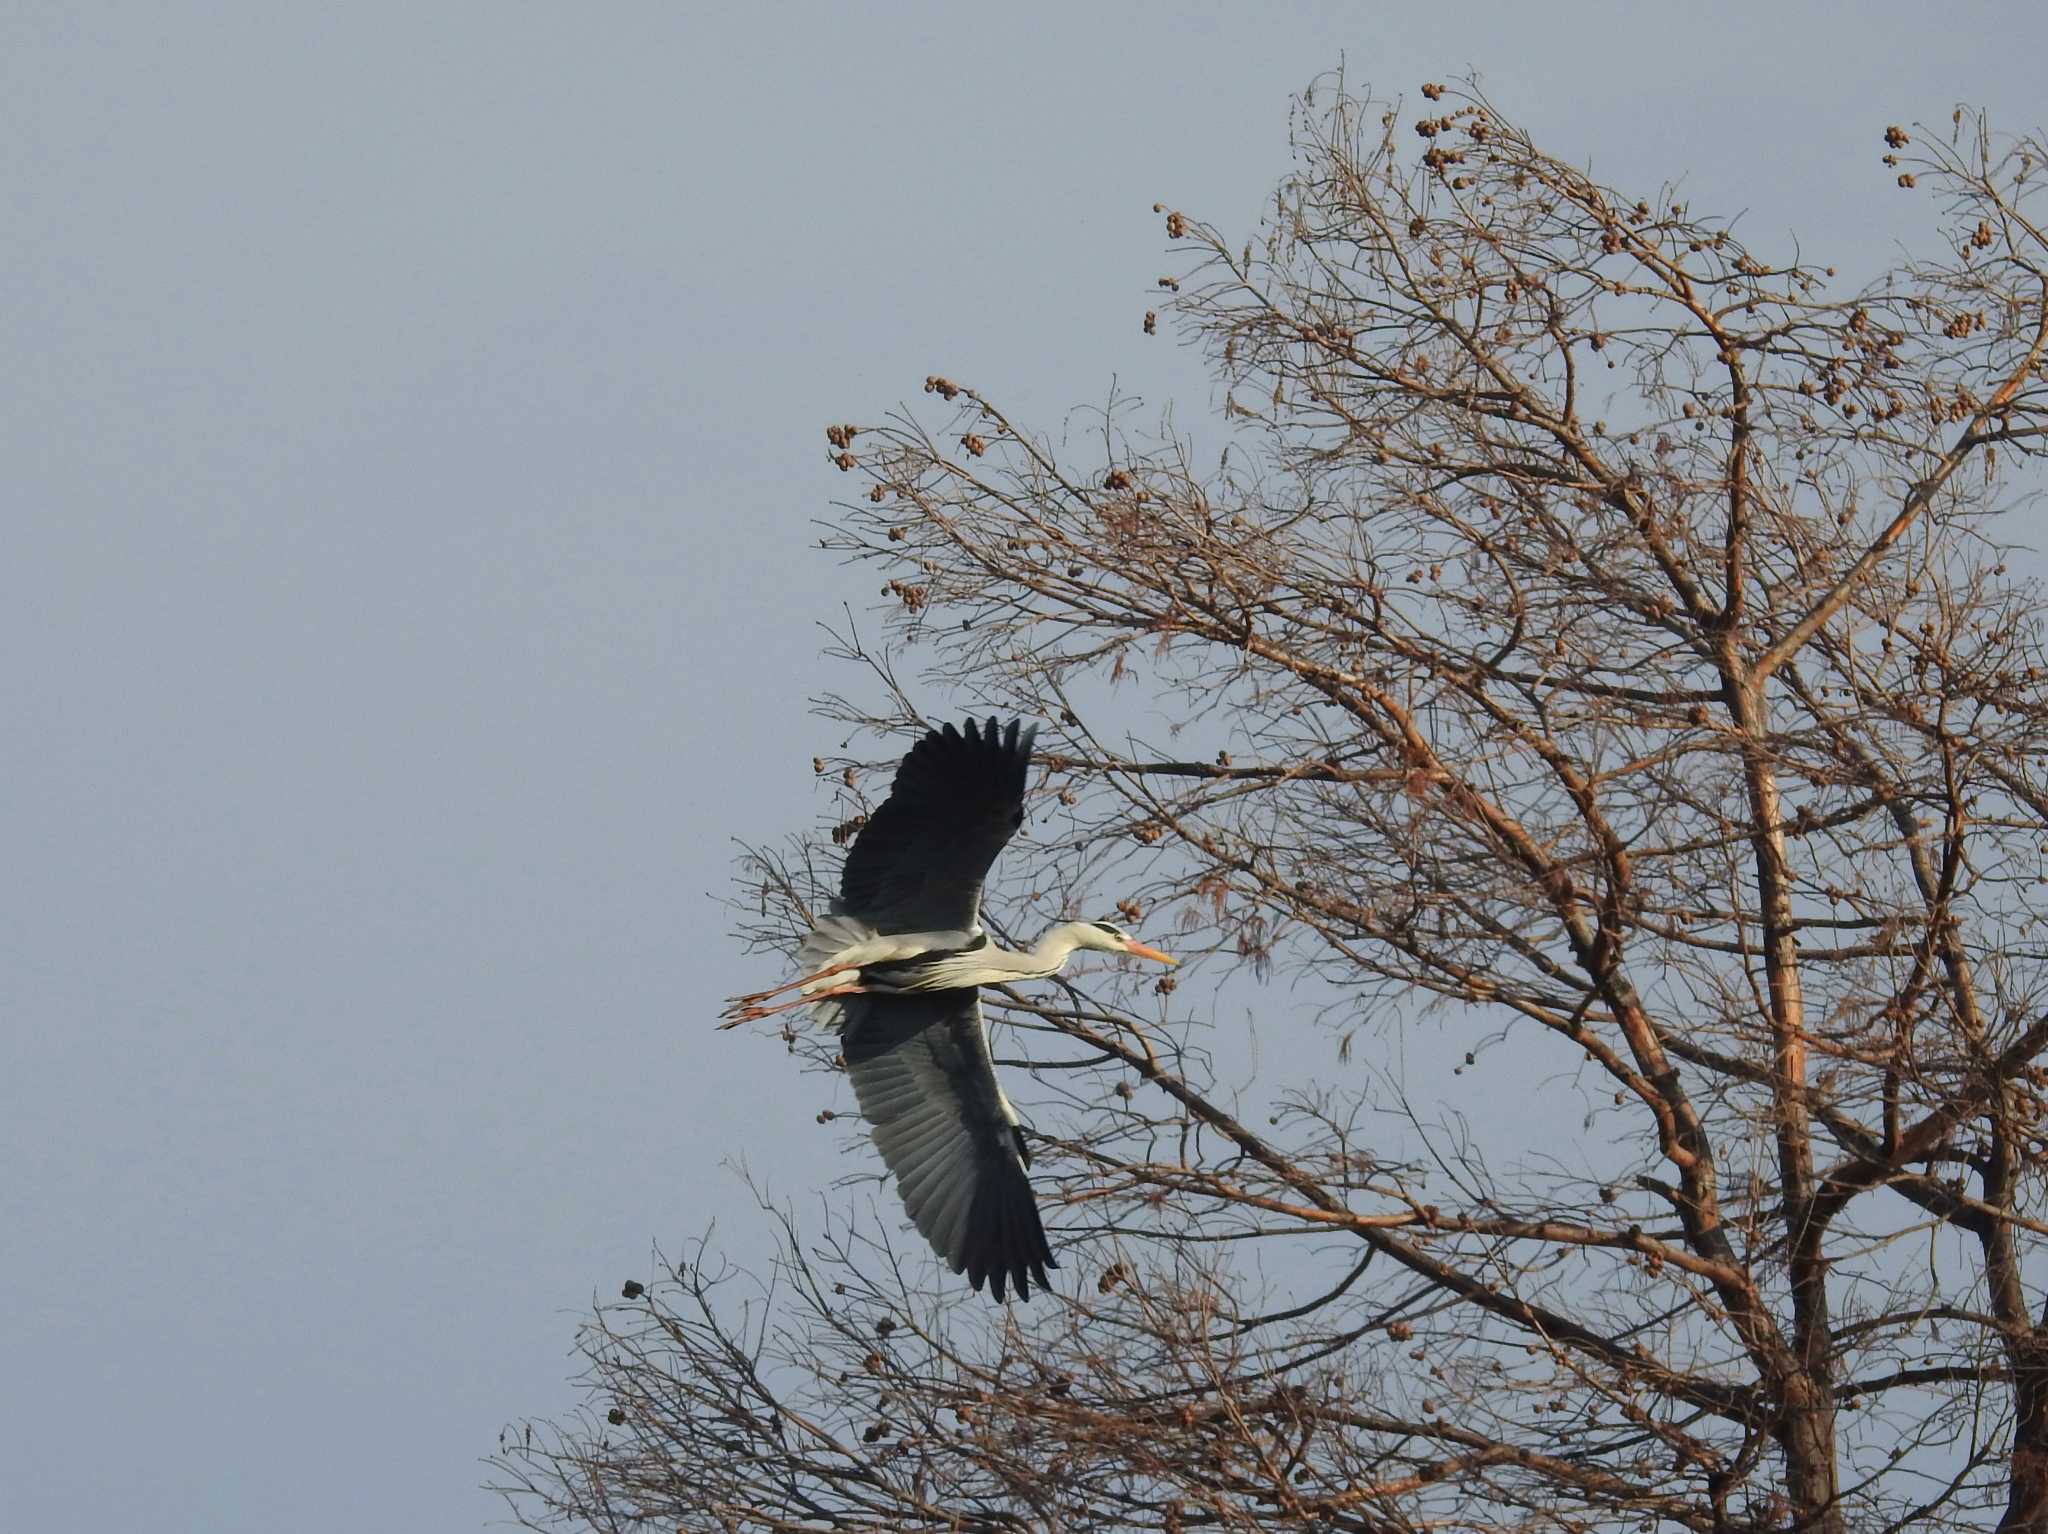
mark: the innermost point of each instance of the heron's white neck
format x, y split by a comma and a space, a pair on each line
1052, 949
998, 966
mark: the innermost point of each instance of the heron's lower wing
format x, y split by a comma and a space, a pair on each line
927, 1086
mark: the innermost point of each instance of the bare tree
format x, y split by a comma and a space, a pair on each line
1597, 631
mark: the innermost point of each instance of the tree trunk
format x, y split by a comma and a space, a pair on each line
1808, 1439
2026, 1505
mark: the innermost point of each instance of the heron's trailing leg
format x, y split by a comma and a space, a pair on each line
741, 1003
753, 1014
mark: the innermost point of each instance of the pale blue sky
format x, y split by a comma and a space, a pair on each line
409, 435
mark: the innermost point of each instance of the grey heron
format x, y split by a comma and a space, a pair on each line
895, 966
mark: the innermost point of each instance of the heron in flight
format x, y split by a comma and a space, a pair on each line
894, 967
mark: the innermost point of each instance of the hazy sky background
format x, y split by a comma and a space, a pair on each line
410, 430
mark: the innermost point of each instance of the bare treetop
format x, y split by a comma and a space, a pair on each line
1597, 627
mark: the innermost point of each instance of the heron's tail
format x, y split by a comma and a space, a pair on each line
831, 937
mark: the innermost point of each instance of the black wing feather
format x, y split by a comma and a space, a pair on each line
926, 1082
919, 862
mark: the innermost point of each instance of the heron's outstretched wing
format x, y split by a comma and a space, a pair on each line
918, 864
927, 1087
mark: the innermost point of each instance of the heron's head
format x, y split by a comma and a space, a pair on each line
1110, 938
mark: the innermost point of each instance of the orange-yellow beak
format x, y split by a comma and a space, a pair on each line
1151, 953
